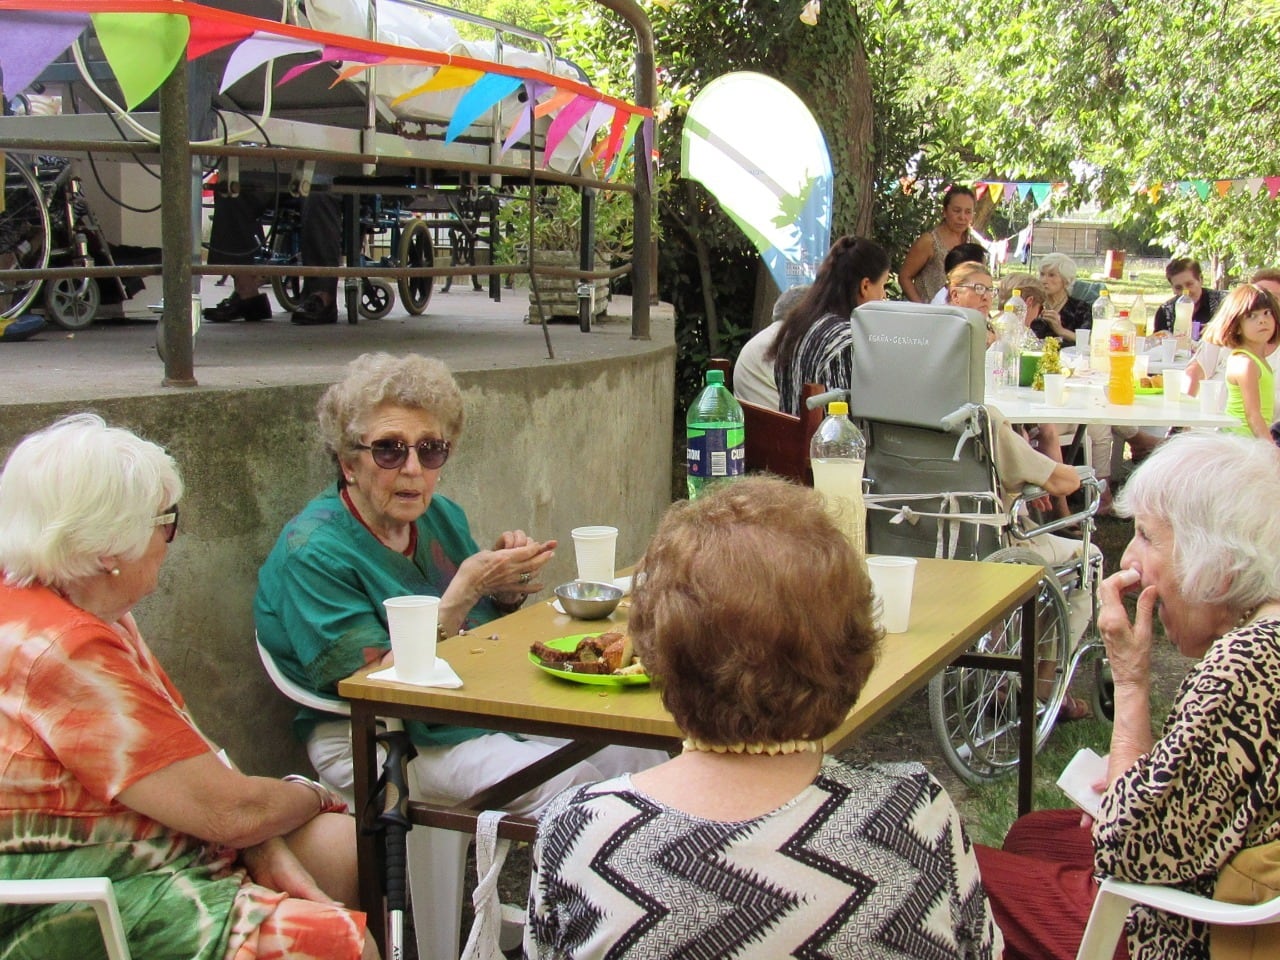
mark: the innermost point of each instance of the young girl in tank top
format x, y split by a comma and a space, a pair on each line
1249, 323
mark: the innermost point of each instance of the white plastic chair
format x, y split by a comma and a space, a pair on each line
1116, 897
97, 892
437, 858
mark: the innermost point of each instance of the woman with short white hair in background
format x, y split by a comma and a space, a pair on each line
1062, 313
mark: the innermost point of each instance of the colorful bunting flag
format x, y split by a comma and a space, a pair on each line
31, 39
484, 93
123, 35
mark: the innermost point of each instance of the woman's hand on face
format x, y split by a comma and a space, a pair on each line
1128, 644
273, 865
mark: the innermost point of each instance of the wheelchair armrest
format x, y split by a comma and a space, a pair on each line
1090, 485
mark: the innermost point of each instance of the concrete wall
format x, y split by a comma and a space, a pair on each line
545, 448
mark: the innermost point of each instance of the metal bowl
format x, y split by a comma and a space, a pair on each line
588, 599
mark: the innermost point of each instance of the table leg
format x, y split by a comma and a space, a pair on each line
1027, 706
364, 758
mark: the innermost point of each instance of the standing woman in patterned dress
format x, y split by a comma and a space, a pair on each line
752, 843
105, 771
1178, 808
924, 270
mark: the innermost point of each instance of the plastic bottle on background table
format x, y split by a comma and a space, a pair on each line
1121, 355
1099, 342
714, 436
1019, 305
837, 453
1009, 331
1138, 315
1183, 308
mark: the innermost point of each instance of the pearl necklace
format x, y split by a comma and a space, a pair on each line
1247, 616
694, 745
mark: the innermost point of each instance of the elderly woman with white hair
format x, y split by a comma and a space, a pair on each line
105, 771
1062, 313
1178, 808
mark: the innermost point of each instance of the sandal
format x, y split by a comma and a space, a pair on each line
1073, 708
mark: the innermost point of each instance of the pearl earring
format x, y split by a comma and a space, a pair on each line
115, 571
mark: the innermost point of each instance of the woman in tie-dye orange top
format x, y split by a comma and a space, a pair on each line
102, 770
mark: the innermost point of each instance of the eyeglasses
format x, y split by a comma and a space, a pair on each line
168, 520
981, 289
394, 454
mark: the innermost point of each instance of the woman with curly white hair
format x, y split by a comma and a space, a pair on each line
105, 771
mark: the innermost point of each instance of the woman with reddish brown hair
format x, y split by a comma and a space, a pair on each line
753, 613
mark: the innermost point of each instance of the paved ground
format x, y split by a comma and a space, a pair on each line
117, 357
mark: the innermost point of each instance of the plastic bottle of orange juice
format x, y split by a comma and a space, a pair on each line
1120, 349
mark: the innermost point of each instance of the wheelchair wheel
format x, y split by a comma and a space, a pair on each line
974, 713
1104, 690
376, 299
288, 292
24, 236
72, 304
416, 250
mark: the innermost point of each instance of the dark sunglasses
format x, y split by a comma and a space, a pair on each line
393, 454
168, 520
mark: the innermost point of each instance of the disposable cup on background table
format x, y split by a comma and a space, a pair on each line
1082, 342
1213, 396
412, 623
1168, 349
1141, 363
1173, 386
594, 549
1055, 389
893, 579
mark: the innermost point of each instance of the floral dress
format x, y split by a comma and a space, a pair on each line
86, 712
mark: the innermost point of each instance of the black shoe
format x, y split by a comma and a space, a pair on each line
251, 309
314, 311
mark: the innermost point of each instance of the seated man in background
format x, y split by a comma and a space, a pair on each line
234, 239
1184, 275
752, 375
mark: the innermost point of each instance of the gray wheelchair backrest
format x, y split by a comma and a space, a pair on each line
914, 363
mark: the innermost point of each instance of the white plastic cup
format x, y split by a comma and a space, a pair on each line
1082, 342
1213, 396
412, 623
1168, 349
1055, 389
892, 580
1141, 365
1173, 386
594, 549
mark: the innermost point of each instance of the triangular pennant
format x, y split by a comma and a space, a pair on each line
353, 70
1060, 188
142, 48
1023, 191
1201, 187
210, 35
1154, 191
330, 54
1186, 188
1253, 185
1040, 192
980, 189
445, 78
532, 91
259, 49
553, 103
601, 114
645, 153
614, 140
31, 39
573, 111
624, 149
484, 93
1223, 186
997, 191
1273, 186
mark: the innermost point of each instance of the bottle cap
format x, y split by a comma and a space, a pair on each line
1017, 291
837, 408
1124, 313
715, 376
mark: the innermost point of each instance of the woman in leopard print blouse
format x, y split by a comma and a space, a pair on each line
1205, 559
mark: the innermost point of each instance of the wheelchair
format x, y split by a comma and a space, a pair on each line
917, 391
46, 221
